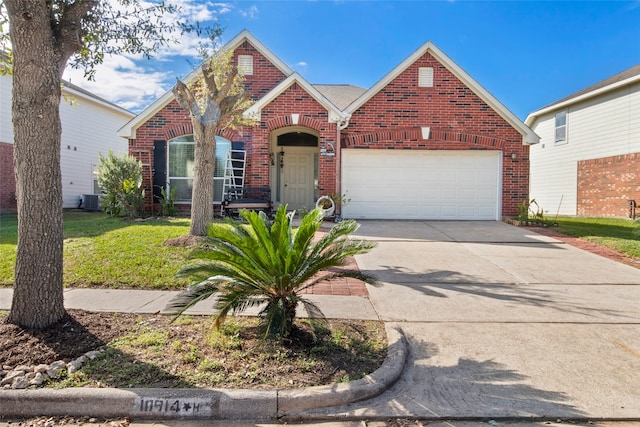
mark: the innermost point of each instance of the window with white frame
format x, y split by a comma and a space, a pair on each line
181, 160
245, 65
561, 127
95, 188
425, 77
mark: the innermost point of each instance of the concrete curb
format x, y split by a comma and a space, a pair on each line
291, 401
188, 404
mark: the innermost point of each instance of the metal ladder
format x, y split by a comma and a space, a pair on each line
234, 168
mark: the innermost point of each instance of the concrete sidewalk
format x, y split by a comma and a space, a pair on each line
144, 301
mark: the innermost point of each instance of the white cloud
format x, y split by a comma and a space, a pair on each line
122, 81
300, 66
133, 82
193, 11
251, 12
189, 12
223, 7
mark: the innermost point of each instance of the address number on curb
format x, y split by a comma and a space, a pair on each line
172, 407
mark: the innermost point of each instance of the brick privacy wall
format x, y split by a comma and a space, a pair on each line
7, 178
605, 185
172, 121
458, 119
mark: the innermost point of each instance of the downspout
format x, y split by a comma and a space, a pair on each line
341, 124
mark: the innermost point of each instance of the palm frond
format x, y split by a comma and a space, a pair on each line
235, 300
269, 263
312, 309
193, 295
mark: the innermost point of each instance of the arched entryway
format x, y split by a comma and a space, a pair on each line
295, 167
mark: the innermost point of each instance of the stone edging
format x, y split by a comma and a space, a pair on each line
23, 376
204, 404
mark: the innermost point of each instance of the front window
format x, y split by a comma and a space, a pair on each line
95, 188
561, 127
181, 161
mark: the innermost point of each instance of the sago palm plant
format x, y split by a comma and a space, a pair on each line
269, 263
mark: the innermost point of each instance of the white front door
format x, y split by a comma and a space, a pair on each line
297, 177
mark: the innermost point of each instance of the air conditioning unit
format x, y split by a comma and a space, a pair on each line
91, 202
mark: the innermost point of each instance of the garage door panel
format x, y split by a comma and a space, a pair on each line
486, 195
485, 211
468, 194
421, 184
448, 195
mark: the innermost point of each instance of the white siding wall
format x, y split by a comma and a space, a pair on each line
6, 129
88, 128
602, 126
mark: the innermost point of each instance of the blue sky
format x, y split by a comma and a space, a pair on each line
527, 54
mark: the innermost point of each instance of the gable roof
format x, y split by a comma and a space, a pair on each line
79, 92
339, 100
628, 76
83, 93
528, 136
335, 114
128, 130
340, 95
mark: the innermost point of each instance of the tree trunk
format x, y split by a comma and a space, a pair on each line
37, 292
203, 170
290, 307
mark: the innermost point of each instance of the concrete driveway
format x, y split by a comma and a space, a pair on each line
503, 323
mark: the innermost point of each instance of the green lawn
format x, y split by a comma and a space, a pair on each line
100, 251
622, 235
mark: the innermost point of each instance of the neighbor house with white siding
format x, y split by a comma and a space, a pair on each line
588, 160
89, 127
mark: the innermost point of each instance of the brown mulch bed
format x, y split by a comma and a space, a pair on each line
191, 356
83, 331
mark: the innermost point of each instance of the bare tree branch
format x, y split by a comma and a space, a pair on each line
227, 104
186, 99
229, 82
69, 32
209, 79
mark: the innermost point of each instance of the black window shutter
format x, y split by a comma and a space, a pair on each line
159, 168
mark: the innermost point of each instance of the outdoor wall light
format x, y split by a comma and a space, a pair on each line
514, 156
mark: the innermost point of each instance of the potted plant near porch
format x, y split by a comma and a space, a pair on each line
327, 205
331, 204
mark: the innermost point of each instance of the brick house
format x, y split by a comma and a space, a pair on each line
588, 159
425, 142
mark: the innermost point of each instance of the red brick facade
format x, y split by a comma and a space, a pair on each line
606, 185
391, 119
172, 121
7, 179
458, 118
277, 115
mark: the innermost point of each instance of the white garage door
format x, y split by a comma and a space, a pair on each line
450, 185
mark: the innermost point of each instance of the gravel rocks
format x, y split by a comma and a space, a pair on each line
23, 376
